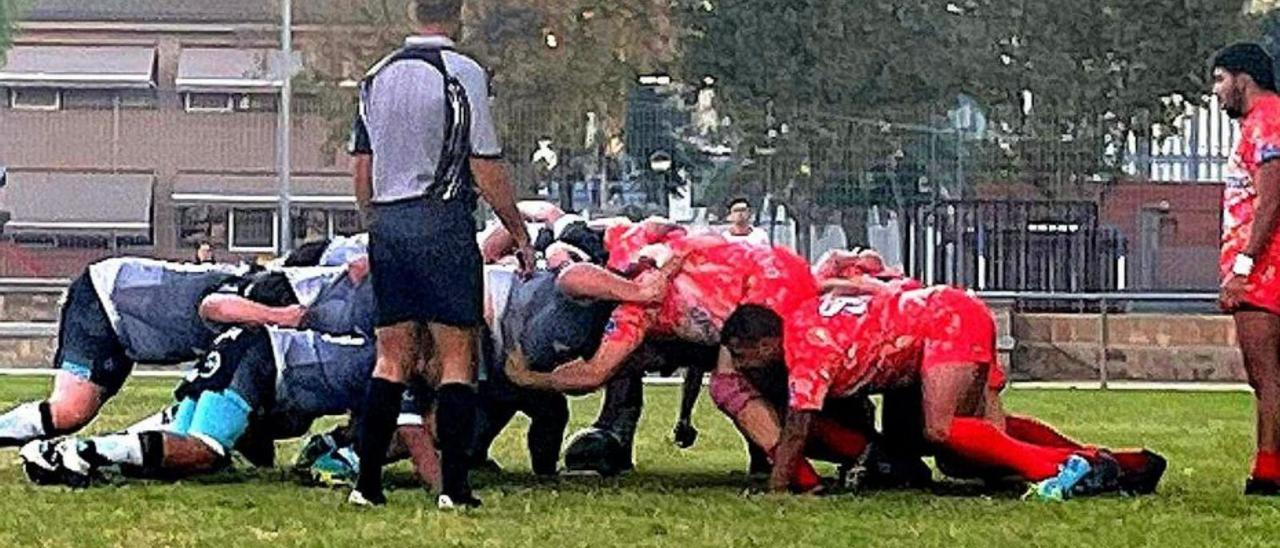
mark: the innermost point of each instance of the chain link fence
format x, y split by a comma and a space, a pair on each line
989, 210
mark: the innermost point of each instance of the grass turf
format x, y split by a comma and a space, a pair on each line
691, 498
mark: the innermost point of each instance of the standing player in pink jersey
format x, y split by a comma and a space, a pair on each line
1244, 82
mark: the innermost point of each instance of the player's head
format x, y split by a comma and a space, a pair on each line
1238, 70
561, 254
581, 236
447, 13
739, 211
307, 254
753, 336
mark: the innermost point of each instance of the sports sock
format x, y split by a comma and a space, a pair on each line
1035, 432
843, 442
1266, 466
381, 405
455, 425
22, 424
119, 448
983, 443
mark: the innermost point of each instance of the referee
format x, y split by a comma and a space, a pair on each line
422, 144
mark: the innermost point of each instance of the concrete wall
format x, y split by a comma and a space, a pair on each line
1149, 347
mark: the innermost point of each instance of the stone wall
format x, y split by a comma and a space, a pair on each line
1147, 347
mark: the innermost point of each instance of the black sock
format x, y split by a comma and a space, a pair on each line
46, 420
381, 405
455, 426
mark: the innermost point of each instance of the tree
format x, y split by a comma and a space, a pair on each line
9, 12
1058, 82
552, 61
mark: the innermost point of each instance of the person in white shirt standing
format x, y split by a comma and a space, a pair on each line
740, 228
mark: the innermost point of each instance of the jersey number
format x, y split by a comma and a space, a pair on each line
852, 305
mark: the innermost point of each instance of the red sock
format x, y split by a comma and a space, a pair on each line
1266, 466
804, 478
843, 443
1035, 432
982, 442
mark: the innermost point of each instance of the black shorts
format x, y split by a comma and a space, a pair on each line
87, 345
425, 263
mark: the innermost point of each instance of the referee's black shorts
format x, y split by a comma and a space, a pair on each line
425, 263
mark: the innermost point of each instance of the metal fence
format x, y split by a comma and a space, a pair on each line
993, 211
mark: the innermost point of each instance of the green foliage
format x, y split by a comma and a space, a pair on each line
1094, 70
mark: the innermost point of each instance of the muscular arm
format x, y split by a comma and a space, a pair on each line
1264, 217
589, 281
863, 285
790, 448
234, 309
578, 376
496, 189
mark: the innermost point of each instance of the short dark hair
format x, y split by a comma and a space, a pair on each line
750, 323
581, 236
738, 200
1248, 58
437, 11
308, 254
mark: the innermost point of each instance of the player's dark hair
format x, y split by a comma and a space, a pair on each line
308, 254
437, 11
1248, 58
738, 200
750, 323
579, 235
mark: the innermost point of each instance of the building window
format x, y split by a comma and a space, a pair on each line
346, 222
201, 224
253, 230
35, 99
311, 224
210, 102
138, 99
89, 99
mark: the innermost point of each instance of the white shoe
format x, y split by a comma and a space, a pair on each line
39, 462
357, 498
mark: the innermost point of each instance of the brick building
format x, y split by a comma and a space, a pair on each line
148, 126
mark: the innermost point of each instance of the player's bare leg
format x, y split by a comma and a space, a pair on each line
954, 420
1259, 336
73, 402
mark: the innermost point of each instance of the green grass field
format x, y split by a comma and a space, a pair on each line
696, 497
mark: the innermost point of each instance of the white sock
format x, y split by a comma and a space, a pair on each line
157, 421
22, 423
120, 448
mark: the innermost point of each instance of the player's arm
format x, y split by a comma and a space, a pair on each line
422, 452
790, 448
237, 310
361, 150
590, 281
576, 377
1268, 209
860, 285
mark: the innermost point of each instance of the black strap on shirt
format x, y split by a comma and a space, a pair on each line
453, 170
